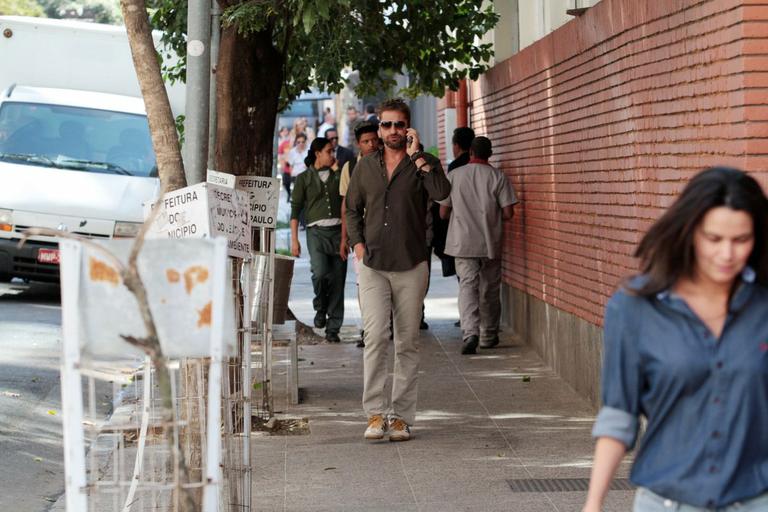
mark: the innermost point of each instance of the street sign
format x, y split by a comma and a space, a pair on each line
264, 197
204, 211
181, 279
221, 178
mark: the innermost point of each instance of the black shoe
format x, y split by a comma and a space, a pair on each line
470, 345
423, 326
361, 342
457, 324
320, 319
332, 337
490, 343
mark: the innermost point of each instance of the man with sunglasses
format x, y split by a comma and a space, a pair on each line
340, 153
386, 208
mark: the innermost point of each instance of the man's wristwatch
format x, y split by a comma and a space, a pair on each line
417, 155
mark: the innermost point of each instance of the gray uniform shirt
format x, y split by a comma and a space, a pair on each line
478, 194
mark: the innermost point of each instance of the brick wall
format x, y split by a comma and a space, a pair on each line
600, 124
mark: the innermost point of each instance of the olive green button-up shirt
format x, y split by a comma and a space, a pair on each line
319, 200
389, 216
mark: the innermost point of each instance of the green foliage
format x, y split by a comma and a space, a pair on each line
21, 8
435, 41
179, 122
170, 16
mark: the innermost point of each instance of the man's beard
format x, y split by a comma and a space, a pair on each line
400, 144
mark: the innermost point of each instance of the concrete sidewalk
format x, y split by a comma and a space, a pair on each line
482, 427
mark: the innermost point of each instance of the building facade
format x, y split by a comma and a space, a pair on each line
599, 119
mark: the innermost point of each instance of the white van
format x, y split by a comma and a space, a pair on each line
71, 160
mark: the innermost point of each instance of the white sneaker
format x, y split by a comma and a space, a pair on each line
376, 427
399, 430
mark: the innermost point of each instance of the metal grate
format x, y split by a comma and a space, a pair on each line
563, 485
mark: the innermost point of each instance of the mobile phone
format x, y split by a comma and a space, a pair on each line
409, 140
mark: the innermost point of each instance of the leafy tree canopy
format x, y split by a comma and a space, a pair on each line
435, 41
20, 8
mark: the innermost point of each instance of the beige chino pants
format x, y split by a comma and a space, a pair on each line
401, 293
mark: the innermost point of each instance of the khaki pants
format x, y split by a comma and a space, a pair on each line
401, 293
479, 298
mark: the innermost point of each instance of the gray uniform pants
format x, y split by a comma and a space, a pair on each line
479, 298
401, 293
329, 273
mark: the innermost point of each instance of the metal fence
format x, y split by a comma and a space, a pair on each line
143, 459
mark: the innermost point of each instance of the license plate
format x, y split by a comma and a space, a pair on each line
48, 256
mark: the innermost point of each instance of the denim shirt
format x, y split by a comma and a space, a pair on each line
705, 400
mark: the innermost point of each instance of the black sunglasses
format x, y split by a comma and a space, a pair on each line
388, 124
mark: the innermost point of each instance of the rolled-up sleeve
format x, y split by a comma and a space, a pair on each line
435, 182
297, 197
621, 377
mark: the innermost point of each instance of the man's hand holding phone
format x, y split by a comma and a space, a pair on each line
411, 141
412, 148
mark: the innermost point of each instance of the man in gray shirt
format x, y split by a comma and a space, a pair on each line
386, 208
481, 199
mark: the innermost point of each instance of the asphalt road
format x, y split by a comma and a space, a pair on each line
31, 446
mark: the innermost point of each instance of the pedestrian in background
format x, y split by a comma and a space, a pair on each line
387, 202
353, 122
340, 153
329, 123
686, 347
316, 193
481, 200
284, 147
461, 142
370, 114
301, 126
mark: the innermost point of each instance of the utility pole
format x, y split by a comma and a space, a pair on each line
215, 39
198, 90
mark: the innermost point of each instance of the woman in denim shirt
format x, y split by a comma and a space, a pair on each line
686, 347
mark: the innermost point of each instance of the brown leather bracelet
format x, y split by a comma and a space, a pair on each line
417, 155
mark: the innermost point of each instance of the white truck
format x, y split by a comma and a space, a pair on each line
75, 150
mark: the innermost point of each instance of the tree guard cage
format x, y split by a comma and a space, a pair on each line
135, 462
181, 438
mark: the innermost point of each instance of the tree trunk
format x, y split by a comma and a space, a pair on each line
249, 76
162, 128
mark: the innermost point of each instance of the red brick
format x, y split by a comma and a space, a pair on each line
600, 125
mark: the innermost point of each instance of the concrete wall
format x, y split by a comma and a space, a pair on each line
599, 125
570, 345
537, 18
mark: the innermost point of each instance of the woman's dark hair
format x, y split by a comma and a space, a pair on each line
666, 251
317, 145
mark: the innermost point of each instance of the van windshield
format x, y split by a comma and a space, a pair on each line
76, 138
